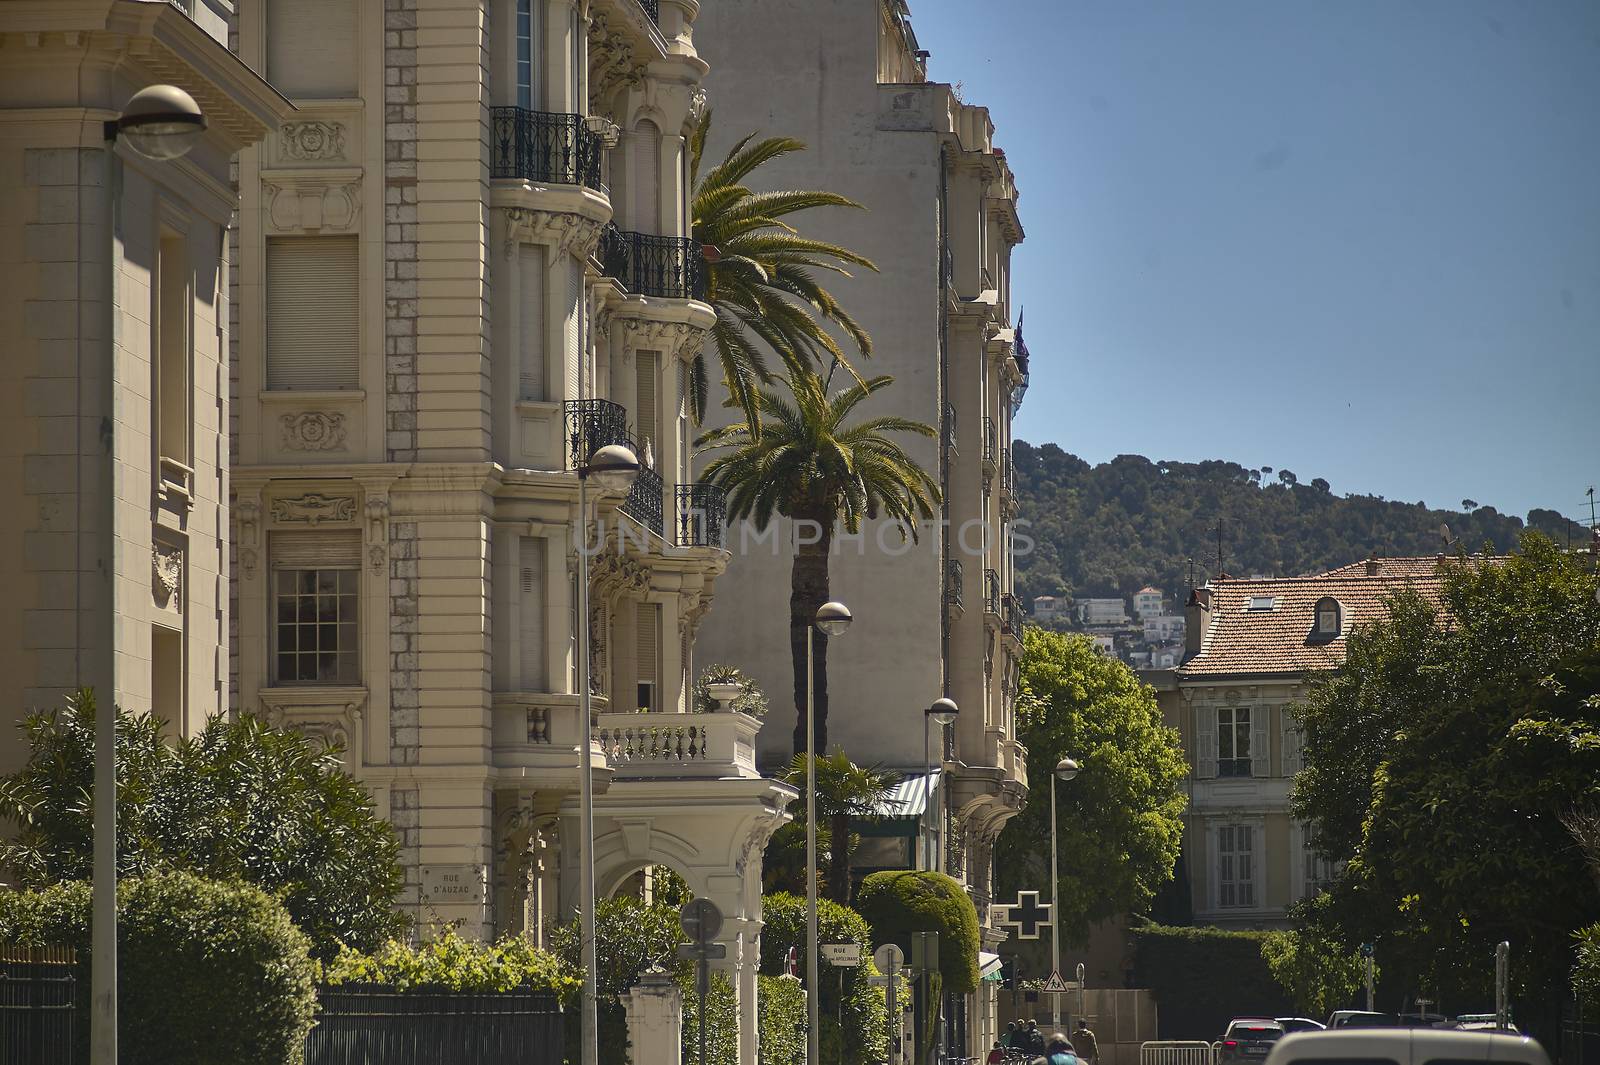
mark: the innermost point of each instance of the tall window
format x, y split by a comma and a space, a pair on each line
530, 612
648, 434
171, 391
528, 45
311, 48
312, 313
531, 262
316, 594
645, 180
1319, 872
1233, 741
648, 654
166, 678
1236, 865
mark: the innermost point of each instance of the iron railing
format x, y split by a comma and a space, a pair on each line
702, 511
949, 428
991, 592
653, 9
37, 1003
591, 425
643, 504
991, 440
358, 1023
646, 265
1008, 472
1011, 619
543, 146
953, 583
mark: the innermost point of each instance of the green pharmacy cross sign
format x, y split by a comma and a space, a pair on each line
1027, 915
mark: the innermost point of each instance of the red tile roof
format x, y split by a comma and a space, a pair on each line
1279, 640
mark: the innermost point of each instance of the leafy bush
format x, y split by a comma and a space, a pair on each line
862, 1035
899, 902
783, 1019
458, 964
1318, 973
722, 1020
1202, 977
1586, 973
783, 918
750, 700
239, 801
207, 971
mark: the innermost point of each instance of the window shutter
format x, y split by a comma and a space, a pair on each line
533, 339
312, 313
644, 367
310, 45
647, 654
1293, 741
646, 178
1205, 731
572, 351
530, 611
315, 550
1245, 837
1260, 743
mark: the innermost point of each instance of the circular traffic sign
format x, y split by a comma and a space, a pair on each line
889, 959
701, 920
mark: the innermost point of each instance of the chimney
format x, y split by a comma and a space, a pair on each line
1372, 566
1196, 618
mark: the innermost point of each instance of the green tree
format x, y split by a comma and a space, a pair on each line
844, 791
1319, 972
761, 273
240, 800
810, 464
1118, 822
1454, 818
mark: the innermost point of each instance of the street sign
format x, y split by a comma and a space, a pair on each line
889, 959
708, 951
701, 920
1055, 985
845, 954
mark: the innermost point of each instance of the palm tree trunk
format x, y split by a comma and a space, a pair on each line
808, 590
839, 859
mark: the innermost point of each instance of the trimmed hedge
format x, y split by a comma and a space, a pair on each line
456, 964
783, 1020
207, 971
722, 1021
1204, 977
897, 903
863, 1036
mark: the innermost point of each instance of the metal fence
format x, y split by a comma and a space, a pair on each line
361, 1024
1580, 1034
543, 146
1176, 1052
37, 1005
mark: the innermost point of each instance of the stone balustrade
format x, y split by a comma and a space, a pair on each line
672, 746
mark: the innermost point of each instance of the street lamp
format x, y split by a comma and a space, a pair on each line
1066, 769
613, 468
160, 122
831, 619
943, 712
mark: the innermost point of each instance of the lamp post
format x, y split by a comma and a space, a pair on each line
613, 468
159, 122
832, 619
943, 712
1066, 769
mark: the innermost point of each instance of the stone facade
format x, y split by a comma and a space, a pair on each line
115, 283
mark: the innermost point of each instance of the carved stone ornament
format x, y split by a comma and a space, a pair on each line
613, 573
571, 233
313, 508
678, 338
377, 532
166, 564
335, 724
312, 140
698, 101
247, 561
311, 205
313, 430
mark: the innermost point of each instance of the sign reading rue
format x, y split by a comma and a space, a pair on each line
455, 884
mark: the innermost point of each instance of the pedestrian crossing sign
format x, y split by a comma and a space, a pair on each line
1055, 985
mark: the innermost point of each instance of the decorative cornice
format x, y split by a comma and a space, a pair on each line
166, 563
313, 508
313, 140
568, 231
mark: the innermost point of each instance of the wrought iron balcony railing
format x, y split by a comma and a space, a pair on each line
643, 504
702, 511
991, 592
591, 425
949, 428
1008, 471
646, 265
954, 580
542, 146
653, 9
1011, 619
991, 440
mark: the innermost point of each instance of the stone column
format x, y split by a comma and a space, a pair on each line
655, 1020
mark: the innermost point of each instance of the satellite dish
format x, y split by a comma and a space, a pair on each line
1444, 532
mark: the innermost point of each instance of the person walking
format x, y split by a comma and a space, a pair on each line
997, 1055
1036, 1044
1010, 1040
1058, 1051
1084, 1044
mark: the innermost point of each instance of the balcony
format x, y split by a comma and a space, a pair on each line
653, 9
953, 582
702, 512
991, 443
1008, 471
645, 265
991, 592
643, 504
678, 746
543, 147
949, 428
1011, 617
591, 425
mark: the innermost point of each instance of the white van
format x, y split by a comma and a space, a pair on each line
1405, 1046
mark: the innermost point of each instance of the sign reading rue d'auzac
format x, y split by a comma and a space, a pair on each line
457, 884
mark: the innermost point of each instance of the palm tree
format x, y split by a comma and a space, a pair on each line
844, 790
806, 464
760, 273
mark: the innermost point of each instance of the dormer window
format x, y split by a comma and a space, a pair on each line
1329, 621
1262, 603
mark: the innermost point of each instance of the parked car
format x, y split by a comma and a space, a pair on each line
1300, 1024
1362, 1019
1248, 1039
1425, 1020
1410, 1046
1483, 1022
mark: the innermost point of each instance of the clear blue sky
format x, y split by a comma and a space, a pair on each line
1358, 239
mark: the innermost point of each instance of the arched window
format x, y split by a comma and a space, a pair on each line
1329, 620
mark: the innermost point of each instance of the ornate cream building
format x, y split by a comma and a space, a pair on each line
114, 281
464, 265
938, 618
